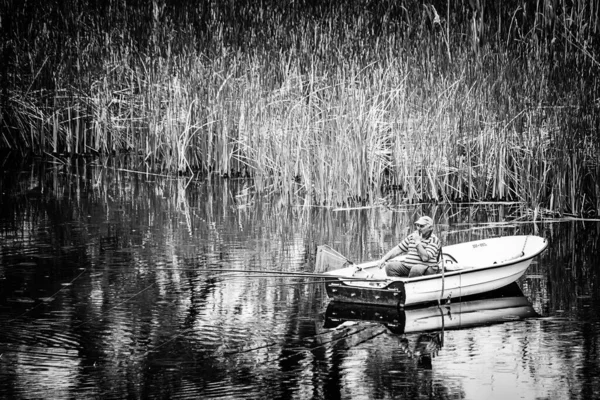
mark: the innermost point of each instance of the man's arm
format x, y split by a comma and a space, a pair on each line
421, 250
395, 251
429, 251
391, 254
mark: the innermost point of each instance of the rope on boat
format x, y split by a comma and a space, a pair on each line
521, 254
441, 254
443, 276
524, 245
442, 314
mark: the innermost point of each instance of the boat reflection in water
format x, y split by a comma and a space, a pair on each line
430, 322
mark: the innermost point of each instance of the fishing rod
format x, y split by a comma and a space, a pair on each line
316, 282
272, 273
318, 277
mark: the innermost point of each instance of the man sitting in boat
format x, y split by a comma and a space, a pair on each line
421, 250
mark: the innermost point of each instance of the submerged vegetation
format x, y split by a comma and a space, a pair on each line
339, 102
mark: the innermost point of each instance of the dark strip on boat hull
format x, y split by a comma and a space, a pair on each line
393, 294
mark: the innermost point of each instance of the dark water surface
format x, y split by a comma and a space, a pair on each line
104, 293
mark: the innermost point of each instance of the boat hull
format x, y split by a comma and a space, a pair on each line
507, 304
465, 281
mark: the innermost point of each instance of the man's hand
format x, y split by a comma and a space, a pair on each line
416, 235
382, 263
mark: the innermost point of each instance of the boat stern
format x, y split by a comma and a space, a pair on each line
391, 294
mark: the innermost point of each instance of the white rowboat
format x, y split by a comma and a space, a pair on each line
469, 268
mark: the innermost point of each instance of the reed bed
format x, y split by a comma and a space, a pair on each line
340, 104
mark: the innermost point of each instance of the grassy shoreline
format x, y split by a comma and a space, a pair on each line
340, 103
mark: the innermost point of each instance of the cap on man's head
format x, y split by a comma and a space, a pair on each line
425, 220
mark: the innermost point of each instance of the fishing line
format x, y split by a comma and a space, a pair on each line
158, 346
186, 331
165, 343
297, 352
68, 284
233, 353
382, 331
345, 336
305, 338
266, 346
119, 304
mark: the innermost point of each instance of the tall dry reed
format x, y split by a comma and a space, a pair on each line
338, 103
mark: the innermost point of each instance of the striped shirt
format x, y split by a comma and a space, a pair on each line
409, 247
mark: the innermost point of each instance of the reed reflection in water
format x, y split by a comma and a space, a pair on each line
104, 293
